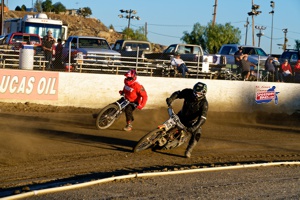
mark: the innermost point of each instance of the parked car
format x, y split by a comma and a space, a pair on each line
292, 55
16, 40
91, 50
132, 45
188, 52
129, 48
255, 53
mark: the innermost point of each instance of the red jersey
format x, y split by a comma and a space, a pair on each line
136, 93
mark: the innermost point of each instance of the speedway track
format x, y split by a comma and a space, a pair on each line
44, 146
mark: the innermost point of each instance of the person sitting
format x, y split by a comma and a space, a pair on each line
179, 64
270, 69
287, 71
297, 72
246, 65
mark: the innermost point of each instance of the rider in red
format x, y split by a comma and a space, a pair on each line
135, 93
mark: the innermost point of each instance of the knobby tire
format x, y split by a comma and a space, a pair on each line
148, 140
106, 116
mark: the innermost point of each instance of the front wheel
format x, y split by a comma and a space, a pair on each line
107, 116
148, 140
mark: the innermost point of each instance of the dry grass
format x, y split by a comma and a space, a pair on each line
81, 26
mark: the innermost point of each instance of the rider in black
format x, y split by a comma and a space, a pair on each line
193, 112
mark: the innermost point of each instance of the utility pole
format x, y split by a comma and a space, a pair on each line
215, 13
254, 12
246, 25
285, 39
272, 4
2, 16
260, 33
146, 29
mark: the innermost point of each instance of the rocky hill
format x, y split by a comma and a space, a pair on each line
77, 25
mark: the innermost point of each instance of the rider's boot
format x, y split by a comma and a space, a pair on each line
128, 127
189, 149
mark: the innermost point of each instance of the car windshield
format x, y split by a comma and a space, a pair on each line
93, 43
254, 51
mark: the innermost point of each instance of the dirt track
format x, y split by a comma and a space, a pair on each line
54, 145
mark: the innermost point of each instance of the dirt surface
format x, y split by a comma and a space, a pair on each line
44, 146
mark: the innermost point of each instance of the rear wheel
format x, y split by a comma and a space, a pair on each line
107, 116
148, 140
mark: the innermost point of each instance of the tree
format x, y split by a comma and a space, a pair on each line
218, 35
59, 7
47, 6
85, 12
211, 38
196, 36
111, 27
130, 34
38, 5
23, 8
18, 8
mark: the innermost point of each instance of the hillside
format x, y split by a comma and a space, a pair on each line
80, 26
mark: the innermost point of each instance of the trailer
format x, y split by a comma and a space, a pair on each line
36, 24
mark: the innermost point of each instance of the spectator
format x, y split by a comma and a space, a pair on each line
270, 69
135, 93
179, 64
246, 65
297, 72
58, 55
286, 71
48, 42
277, 73
238, 58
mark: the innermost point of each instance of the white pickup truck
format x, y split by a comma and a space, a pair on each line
93, 50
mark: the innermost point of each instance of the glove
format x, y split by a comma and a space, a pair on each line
169, 101
121, 92
139, 107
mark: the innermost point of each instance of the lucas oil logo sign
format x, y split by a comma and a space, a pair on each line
266, 94
28, 85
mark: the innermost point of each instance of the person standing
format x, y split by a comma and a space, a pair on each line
270, 69
48, 42
297, 72
179, 64
58, 55
237, 59
193, 113
136, 94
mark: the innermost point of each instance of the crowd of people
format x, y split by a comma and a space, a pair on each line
274, 70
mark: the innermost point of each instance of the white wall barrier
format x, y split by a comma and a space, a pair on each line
97, 90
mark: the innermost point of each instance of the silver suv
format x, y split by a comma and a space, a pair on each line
256, 54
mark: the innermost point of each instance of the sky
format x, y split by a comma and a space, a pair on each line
167, 20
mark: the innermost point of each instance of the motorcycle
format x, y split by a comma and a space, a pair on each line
171, 134
110, 113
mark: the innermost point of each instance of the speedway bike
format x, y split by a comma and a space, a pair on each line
169, 135
110, 113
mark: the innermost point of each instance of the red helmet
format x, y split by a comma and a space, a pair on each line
130, 77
